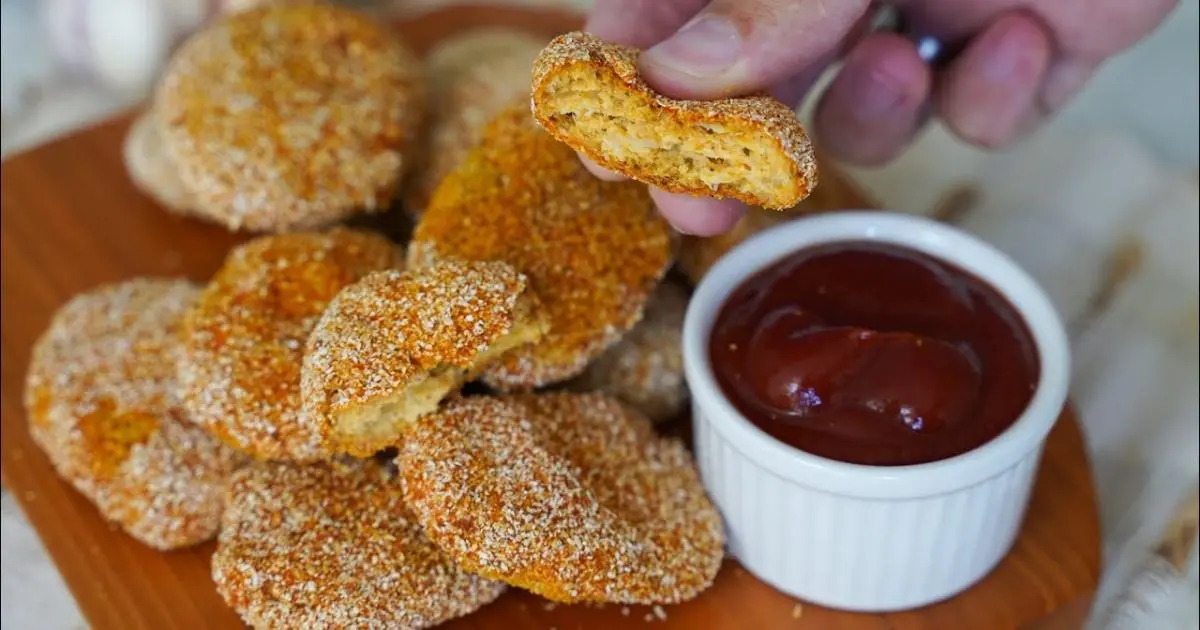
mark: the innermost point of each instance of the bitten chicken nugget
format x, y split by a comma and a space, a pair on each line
472, 77
102, 403
390, 347
291, 116
244, 339
645, 369
588, 94
593, 250
571, 496
333, 546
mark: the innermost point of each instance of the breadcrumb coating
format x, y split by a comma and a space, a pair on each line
291, 116
244, 339
593, 250
331, 546
102, 404
571, 496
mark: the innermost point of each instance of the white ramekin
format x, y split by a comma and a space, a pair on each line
869, 538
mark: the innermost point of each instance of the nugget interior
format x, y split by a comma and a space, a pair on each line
361, 428
592, 107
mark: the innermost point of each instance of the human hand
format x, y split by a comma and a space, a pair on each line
1019, 61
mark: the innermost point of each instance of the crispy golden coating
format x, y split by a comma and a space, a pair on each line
698, 253
102, 403
472, 77
291, 116
588, 93
390, 347
150, 168
332, 546
645, 369
593, 250
244, 339
571, 496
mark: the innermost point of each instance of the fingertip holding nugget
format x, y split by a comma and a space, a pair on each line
392, 346
589, 94
696, 254
291, 116
593, 250
102, 404
571, 496
244, 339
333, 545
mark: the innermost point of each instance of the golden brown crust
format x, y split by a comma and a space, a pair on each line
245, 337
472, 77
571, 496
593, 250
696, 254
333, 546
291, 116
102, 403
645, 369
394, 329
583, 52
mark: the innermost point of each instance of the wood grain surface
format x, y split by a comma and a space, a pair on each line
71, 220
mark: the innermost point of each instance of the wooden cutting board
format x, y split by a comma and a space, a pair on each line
72, 220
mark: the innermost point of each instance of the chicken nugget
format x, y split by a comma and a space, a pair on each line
472, 77
593, 250
332, 545
291, 116
588, 93
102, 404
645, 369
244, 339
571, 496
390, 347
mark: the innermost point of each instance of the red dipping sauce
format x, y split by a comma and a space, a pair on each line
874, 354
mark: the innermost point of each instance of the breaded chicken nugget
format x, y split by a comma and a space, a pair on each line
244, 339
588, 94
645, 369
698, 253
472, 77
291, 116
390, 347
593, 250
102, 403
150, 168
571, 496
331, 546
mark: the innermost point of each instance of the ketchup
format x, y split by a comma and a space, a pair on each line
873, 354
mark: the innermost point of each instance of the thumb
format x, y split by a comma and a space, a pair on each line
736, 47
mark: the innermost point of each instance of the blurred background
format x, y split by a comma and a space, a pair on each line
1101, 206
68, 62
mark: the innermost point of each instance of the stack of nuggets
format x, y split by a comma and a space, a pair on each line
264, 403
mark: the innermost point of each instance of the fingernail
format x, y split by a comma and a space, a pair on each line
682, 230
1003, 64
705, 47
876, 95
